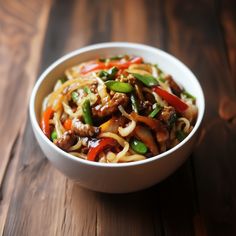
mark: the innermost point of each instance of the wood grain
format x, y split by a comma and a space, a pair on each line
199, 199
213, 159
22, 30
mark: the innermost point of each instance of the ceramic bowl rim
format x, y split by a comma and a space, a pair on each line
129, 45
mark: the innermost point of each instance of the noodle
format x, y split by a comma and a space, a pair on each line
115, 110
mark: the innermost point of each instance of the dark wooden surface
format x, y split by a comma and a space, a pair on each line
198, 199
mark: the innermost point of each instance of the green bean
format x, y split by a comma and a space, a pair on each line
119, 86
147, 80
138, 146
74, 96
155, 111
53, 135
87, 112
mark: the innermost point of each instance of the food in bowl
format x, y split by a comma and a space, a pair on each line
117, 109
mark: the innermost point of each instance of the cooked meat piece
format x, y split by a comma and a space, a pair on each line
162, 135
168, 115
93, 88
173, 85
111, 106
83, 130
67, 140
146, 106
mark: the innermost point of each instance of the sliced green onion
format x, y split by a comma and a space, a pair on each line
188, 95
87, 90
155, 111
138, 146
119, 86
148, 80
87, 112
180, 135
74, 96
110, 74
53, 135
134, 102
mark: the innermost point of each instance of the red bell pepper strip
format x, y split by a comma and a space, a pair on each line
93, 66
102, 66
45, 126
173, 100
100, 145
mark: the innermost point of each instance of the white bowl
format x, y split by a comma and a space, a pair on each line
122, 177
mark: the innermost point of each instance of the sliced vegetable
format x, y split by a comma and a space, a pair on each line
188, 95
95, 65
111, 125
74, 96
87, 90
154, 124
99, 146
138, 146
134, 103
155, 111
173, 100
87, 112
110, 74
67, 124
145, 135
45, 126
54, 135
148, 80
180, 135
118, 86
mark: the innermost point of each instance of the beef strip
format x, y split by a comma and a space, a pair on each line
67, 140
84, 130
168, 115
173, 85
110, 106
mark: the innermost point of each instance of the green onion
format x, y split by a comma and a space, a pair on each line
87, 90
53, 135
110, 74
87, 112
138, 146
188, 95
134, 102
180, 135
74, 96
119, 86
155, 111
148, 80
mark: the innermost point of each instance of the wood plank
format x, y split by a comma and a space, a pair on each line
195, 37
22, 30
77, 211
227, 17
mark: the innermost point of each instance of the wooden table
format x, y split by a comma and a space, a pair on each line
199, 199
